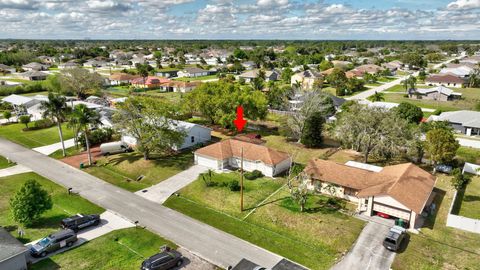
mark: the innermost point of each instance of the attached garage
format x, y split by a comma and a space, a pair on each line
391, 211
208, 162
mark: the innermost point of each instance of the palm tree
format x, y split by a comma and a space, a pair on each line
405, 85
56, 108
377, 97
412, 82
473, 79
84, 117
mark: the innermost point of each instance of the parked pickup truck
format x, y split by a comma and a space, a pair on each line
394, 238
80, 221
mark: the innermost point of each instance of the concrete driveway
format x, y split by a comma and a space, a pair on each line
50, 149
109, 222
368, 252
160, 192
17, 169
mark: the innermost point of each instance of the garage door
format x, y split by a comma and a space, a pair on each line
395, 212
207, 162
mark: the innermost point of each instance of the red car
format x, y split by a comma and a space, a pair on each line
380, 214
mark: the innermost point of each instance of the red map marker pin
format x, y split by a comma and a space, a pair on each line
240, 122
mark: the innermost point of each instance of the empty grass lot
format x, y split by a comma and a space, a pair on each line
123, 169
120, 250
64, 205
438, 246
34, 138
315, 238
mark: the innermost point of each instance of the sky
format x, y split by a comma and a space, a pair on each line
240, 19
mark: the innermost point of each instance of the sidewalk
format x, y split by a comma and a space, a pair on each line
50, 149
160, 192
17, 169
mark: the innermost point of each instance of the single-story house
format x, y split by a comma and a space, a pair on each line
6, 69
459, 71
192, 72
93, 63
472, 60
307, 78
249, 65
401, 191
369, 68
393, 65
179, 86
34, 75
348, 74
249, 76
445, 79
68, 65
228, 153
167, 73
49, 60
13, 254
195, 135
34, 66
121, 78
465, 122
440, 93
150, 82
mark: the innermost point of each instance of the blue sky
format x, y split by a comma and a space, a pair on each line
237, 19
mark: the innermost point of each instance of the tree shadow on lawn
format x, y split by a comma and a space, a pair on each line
439, 196
315, 204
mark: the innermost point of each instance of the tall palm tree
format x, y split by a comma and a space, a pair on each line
85, 118
56, 108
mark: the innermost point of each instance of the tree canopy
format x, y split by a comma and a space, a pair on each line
409, 112
30, 202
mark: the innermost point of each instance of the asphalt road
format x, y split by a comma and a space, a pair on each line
368, 252
215, 246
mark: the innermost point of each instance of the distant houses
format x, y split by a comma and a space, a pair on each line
270, 75
445, 79
440, 93
34, 75
34, 66
192, 72
6, 69
306, 78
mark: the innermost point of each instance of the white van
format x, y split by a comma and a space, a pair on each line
114, 148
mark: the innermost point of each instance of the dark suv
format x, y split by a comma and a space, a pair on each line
162, 261
394, 238
53, 242
80, 221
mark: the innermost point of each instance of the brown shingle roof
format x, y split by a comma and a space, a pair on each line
233, 148
447, 78
406, 183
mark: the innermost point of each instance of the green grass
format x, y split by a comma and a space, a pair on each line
315, 238
4, 163
111, 251
386, 79
34, 138
438, 246
44, 93
123, 169
64, 205
470, 201
201, 78
469, 154
174, 97
71, 151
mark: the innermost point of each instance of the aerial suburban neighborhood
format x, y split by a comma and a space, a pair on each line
240, 135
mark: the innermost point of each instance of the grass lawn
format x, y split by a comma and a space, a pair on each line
469, 154
302, 154
401, 89
120, 91
34, 138
438, 246
386, 79
373, 84
315, 238
64, 205
71, 151
470, 199
174, 97
123, 169
201, 78
4, 163
44, 93
122, 249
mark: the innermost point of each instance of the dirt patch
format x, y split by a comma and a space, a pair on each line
75, 161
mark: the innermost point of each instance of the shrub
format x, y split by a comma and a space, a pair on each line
97, 136
234, 185
253, 175
25, 119
459, 180
42, 123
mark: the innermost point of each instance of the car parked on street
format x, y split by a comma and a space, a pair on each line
53, 242
80, 221
164, 260
394, 238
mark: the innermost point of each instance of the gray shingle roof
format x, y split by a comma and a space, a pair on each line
465, 118
9, 246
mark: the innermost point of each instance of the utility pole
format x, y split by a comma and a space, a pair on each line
241, 183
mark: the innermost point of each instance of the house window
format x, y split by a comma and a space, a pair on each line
349, 191
192, 139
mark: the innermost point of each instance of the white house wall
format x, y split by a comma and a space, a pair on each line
387, 200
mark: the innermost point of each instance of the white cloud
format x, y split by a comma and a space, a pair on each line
464, 4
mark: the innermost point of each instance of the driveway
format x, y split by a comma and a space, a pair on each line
17, 169
368, 251
469, 142
75, 161
214, 245
109, 222
50, 149
160, 192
